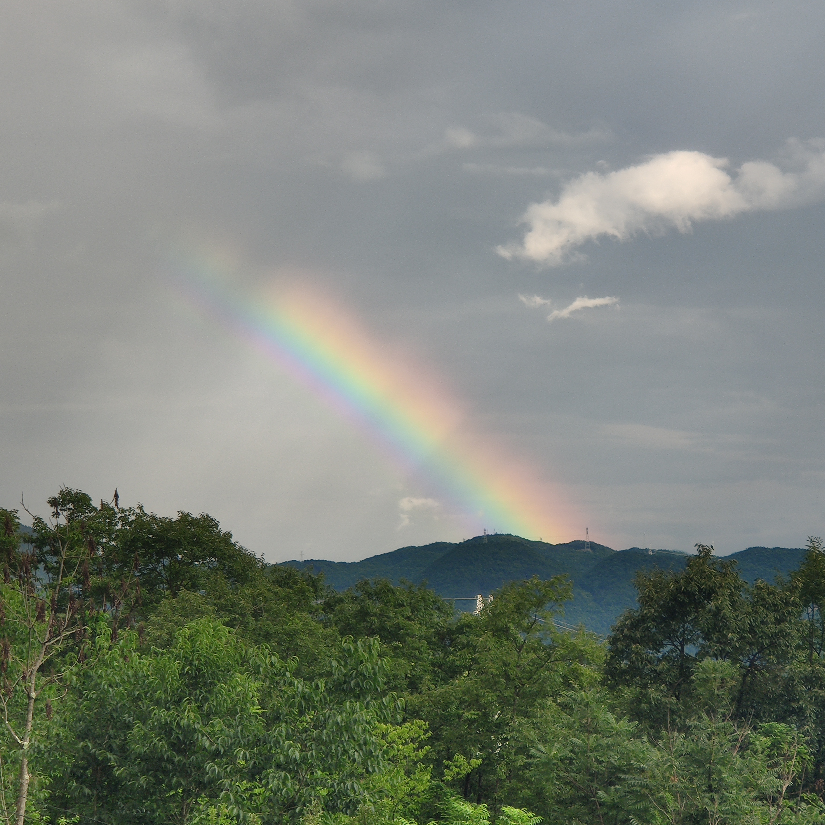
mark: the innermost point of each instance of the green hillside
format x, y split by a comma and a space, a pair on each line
767, 563
408, 563
602, 577
484, 563
478, 565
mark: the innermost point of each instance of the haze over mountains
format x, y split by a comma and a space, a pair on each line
602, 577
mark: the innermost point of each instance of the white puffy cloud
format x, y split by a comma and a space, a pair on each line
671, 190
583, 302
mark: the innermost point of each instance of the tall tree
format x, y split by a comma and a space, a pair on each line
808, 678
810, 579
45, 619
681, 616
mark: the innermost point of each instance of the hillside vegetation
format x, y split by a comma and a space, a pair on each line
154, 672
602, 578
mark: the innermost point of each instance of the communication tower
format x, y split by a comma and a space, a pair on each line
586, 539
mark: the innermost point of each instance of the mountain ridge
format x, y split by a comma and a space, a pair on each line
602, 577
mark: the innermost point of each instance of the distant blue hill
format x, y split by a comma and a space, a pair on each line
602, 577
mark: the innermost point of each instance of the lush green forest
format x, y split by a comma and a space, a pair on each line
154, 671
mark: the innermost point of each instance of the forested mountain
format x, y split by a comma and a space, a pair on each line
602, 577
154, 672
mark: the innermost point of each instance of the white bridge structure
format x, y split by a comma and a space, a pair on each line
481, 603
479, 600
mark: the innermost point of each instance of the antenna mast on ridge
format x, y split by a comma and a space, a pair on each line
587, 540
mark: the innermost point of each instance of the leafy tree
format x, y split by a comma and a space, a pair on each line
460, 812
46, 611
278, 608
721, 770
454, 811
153, 670
810, 579
807, 700
411, 622
185, 553
682, 616
763, 642
589, 764
784, 759
399, 792
211, 727
145, 737
503, 665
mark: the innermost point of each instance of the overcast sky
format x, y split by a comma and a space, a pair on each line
597, 228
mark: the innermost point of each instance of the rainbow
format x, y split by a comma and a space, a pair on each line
402, 406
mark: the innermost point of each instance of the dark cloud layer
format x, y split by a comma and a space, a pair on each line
385, 151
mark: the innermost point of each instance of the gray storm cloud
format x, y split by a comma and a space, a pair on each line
671, 190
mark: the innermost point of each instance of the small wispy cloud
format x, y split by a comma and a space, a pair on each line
510, 130
643, 435
411, 503
669, 191
508, 171
408, 504
583, 302
457, 137
534, 301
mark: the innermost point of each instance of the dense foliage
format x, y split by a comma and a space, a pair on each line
153, 671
